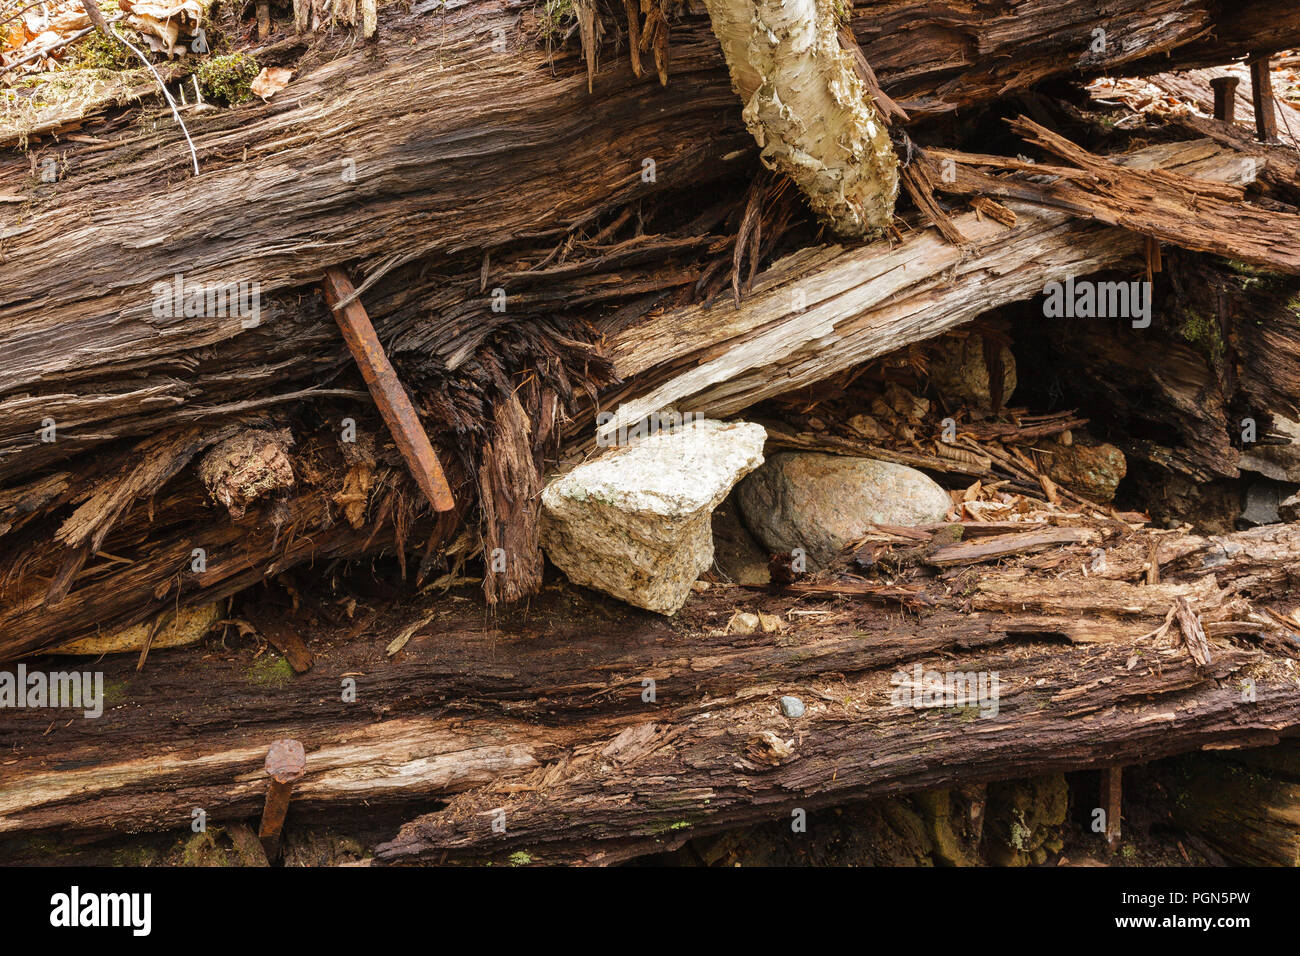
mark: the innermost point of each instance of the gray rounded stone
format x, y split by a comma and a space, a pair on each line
821, 503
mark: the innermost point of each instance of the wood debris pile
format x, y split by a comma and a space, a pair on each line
301, 407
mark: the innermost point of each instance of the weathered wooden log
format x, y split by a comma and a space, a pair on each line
603, 733
95, 363
872, 303
184, 549
824, 310
447, 184
1226, 341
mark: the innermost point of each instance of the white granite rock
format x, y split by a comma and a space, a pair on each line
635, 523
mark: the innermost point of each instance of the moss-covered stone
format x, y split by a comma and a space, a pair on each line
1025, 819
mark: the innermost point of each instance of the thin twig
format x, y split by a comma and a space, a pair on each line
15, 16
170, 102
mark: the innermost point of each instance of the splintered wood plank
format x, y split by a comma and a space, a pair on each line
822, 310
1182, 210
1005, 545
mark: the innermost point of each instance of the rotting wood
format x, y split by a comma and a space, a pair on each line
809, 110
1246, 803
1004, 545
1191, 213
551, 732
826, 309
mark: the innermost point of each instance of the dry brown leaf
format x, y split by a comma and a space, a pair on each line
270, 81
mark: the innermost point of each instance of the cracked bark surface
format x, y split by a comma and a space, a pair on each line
808, 110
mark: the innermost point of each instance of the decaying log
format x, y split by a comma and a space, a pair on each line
602, 733
827, 309
858, 293
190, 550
479, 200
451, 183
1204, 217
1228, 340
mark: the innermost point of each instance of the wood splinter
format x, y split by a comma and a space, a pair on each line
1113, 794
386, 387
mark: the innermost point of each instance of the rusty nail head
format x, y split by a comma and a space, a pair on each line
286, 762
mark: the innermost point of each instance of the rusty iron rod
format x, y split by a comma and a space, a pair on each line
386, 387
286, 762
1225, 97
1261, 88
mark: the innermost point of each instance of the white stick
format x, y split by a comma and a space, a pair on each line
170, 102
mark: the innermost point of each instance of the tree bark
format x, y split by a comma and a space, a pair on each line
544, 715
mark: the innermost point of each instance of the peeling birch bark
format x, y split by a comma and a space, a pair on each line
808, 110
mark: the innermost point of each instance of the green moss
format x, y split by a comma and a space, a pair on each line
135, 856
1203, 332
228, 79
1020, 834
520, 858
201, 850
1243, 269
115, 692
98, 52
663, 828
555, 17
270, 671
